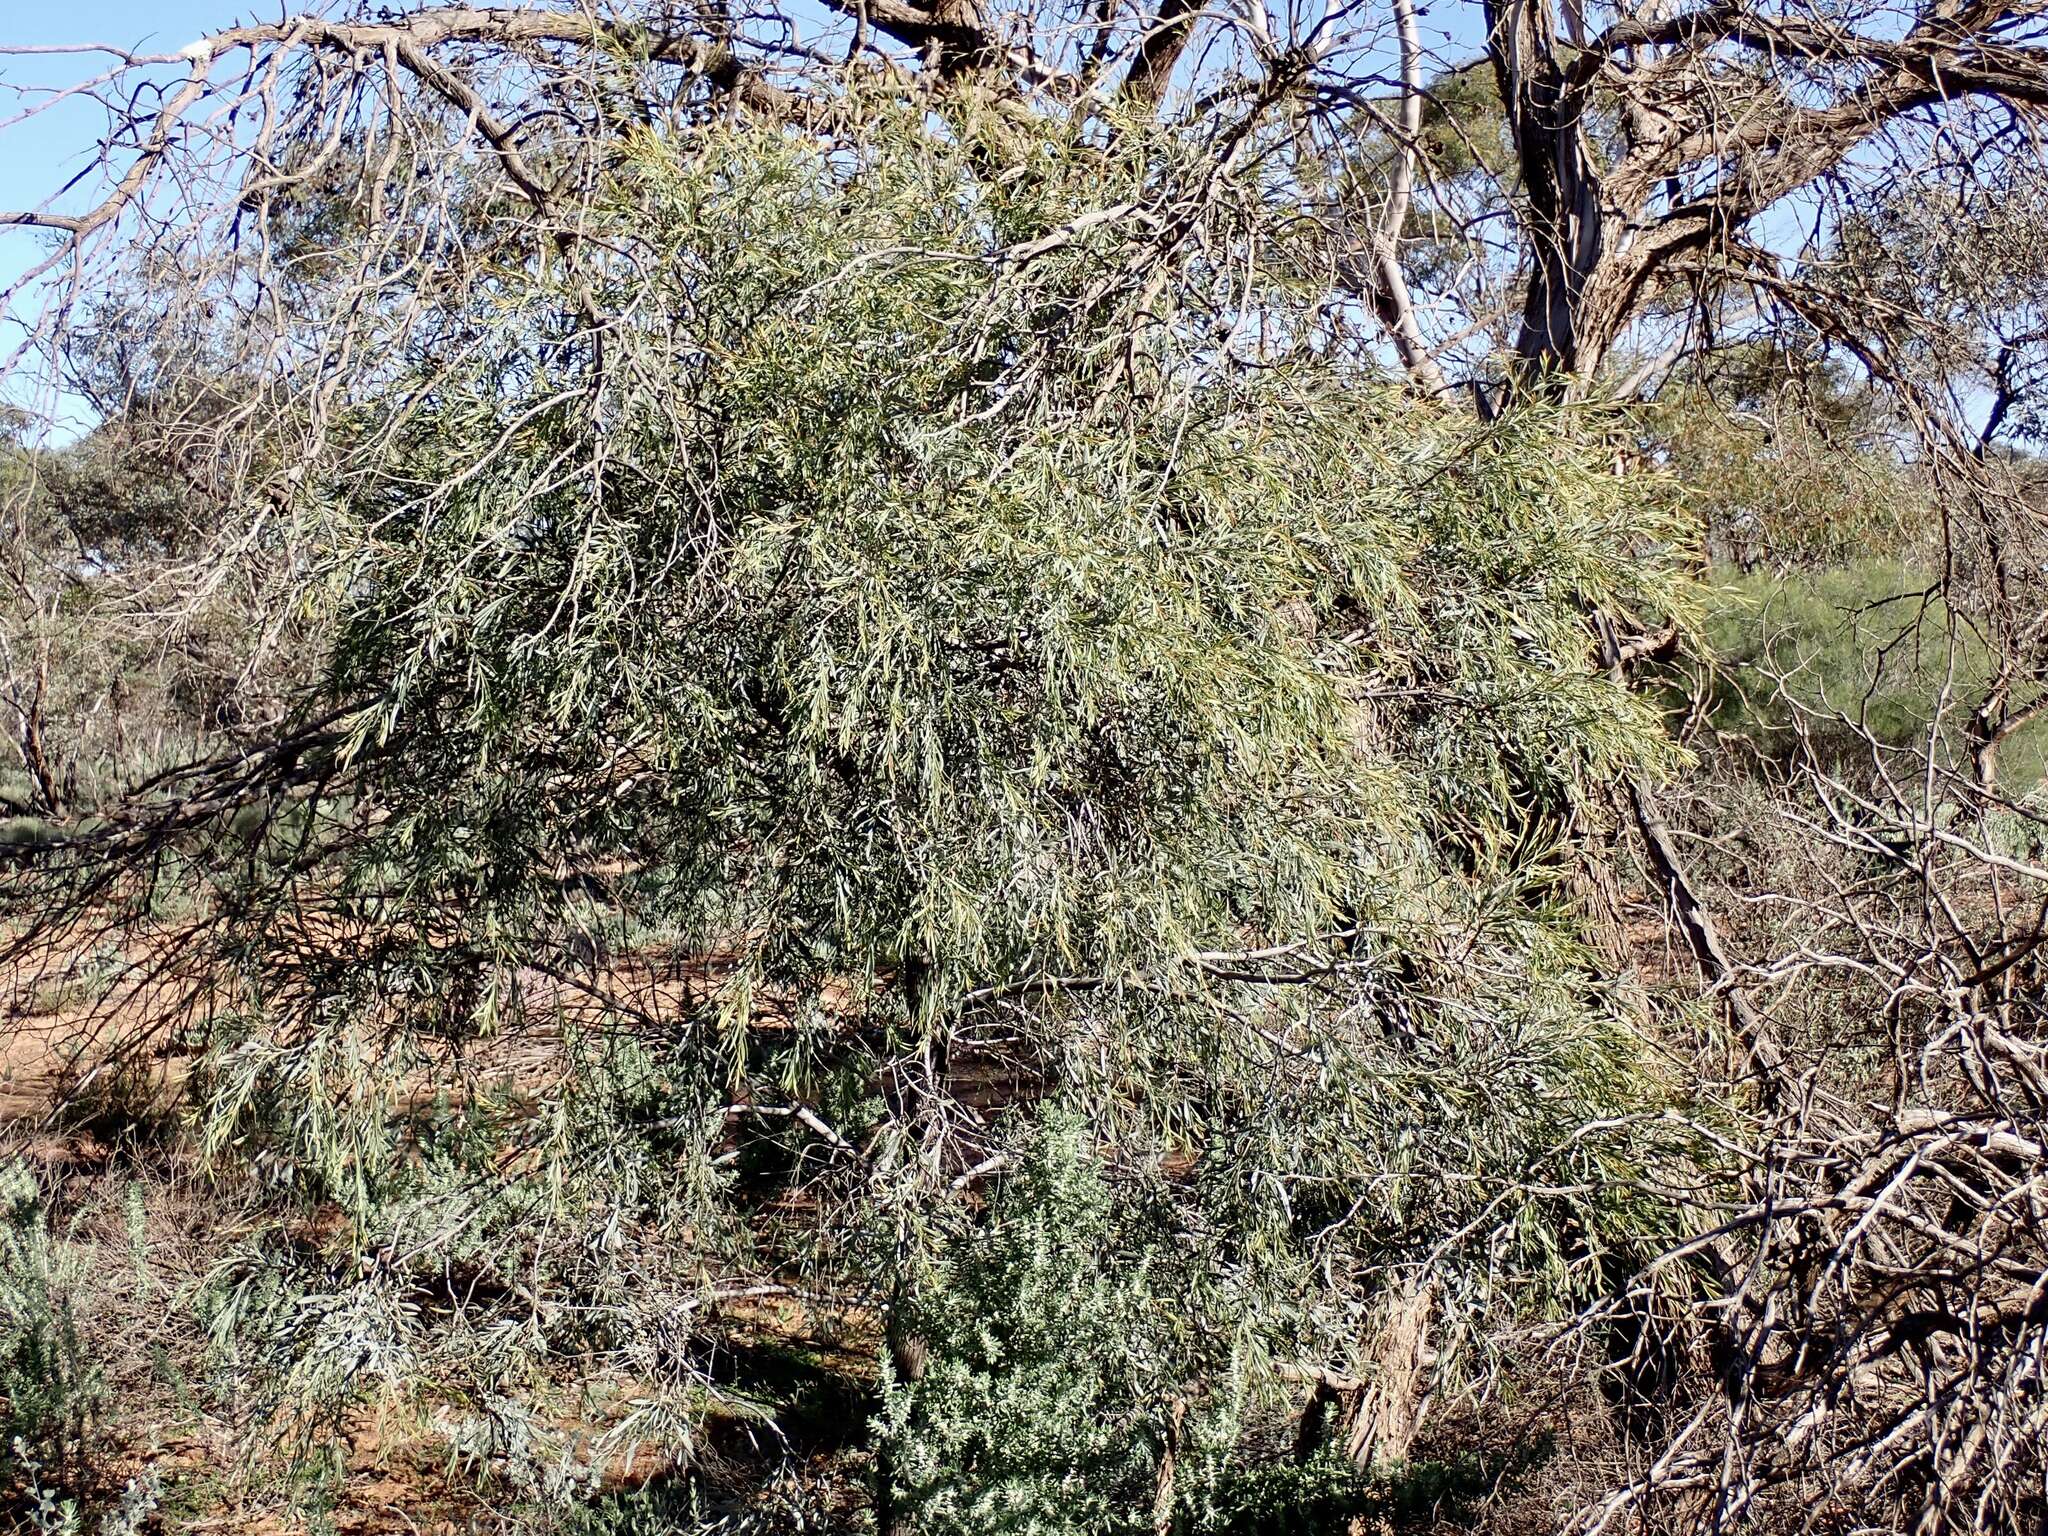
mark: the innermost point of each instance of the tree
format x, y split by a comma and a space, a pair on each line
967, 538
1656, 154
948, 645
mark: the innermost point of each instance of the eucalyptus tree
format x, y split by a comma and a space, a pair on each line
1519, 187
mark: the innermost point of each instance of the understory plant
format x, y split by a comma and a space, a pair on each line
1055, 1361
50, 1382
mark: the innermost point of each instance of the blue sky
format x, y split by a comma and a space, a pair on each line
42, 152
38, 155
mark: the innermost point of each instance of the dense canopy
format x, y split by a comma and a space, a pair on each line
932, 771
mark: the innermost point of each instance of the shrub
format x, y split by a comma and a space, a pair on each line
992, 686
1871, 649
1325, 1494
26, 832
1050, 1364
52, 1387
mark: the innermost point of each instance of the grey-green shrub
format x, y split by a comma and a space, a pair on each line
1052, 1363
52, 1387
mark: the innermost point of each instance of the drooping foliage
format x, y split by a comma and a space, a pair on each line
873, 766
917, 660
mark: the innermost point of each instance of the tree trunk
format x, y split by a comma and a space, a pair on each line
1394, 1393
1169, 1466
908, 1352
1566, 225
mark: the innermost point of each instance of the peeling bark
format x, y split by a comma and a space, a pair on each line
1394, 1395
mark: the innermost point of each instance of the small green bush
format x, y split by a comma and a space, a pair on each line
1872, 645
1325, 1494
26, 832
53, 1390
17, 791
1049, 1369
